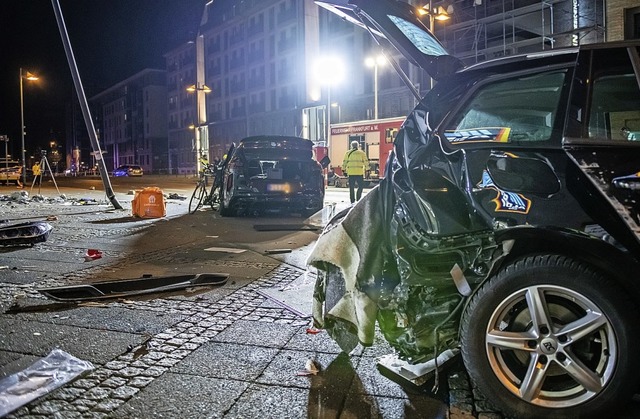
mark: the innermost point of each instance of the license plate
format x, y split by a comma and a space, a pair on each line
278, 187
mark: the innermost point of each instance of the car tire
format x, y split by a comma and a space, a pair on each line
502, 348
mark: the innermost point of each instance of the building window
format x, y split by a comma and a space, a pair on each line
632, 23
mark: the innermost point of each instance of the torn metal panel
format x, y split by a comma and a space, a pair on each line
130, 287
416, 374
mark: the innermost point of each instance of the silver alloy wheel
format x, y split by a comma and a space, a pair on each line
551, 346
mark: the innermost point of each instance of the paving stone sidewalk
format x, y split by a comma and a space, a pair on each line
227, 352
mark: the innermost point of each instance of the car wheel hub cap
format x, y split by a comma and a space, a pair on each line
548, 346
551, 346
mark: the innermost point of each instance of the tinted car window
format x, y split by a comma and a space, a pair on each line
615, 102
519, 109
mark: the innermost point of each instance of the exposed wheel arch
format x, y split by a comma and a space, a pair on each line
612, 261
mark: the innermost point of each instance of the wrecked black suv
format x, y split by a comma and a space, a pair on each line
272, 173
507, 227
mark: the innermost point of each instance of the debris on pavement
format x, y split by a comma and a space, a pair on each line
44, 376
176, 196
311, 367
128, 287
224, 250
85, 201
28, 233
312, 331
285, 227
141, 349
92, 254
277, 251
52, 218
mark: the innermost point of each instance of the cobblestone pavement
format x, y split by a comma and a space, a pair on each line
227, 352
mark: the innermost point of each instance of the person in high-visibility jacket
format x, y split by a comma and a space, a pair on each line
354, 165
37, 173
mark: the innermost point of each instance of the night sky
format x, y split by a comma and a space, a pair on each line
111, 40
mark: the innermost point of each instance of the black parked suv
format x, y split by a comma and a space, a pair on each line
507, 227
272, 173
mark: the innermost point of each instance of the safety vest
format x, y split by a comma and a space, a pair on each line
355, 163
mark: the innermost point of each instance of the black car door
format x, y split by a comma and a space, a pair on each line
603, 139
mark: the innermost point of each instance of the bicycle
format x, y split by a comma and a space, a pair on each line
202, 195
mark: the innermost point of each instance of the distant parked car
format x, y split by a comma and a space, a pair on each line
272, 173
128, 170
10, 175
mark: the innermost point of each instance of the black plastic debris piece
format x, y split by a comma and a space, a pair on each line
129, 287
285, 227
25, 234
277, 251
176, 196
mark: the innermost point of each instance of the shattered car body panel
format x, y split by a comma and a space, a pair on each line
24, 233
510, 182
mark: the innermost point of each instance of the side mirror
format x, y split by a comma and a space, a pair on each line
522, 175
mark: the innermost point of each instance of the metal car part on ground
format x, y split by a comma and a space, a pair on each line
507, 225
103, 290
24, 234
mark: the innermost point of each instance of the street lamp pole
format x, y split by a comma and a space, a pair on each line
435, 14
24, 163
375, 91
197, 88
328, 115
28, 76
328, 71
375, 62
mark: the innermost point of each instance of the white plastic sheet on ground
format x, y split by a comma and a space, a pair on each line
44, 376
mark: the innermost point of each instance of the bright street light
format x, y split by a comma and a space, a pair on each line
193, 88
374, 62
435, 13
30, 77
329, 71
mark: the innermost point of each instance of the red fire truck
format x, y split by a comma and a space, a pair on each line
375, 138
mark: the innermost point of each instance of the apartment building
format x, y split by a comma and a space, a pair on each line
132, 117
253, 69
181, 108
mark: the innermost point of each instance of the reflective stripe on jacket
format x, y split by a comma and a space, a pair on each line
355, 163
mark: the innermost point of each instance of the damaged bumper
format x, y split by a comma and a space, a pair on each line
25, 234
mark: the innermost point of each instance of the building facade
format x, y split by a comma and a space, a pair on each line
181, 109
253, 69
256, 59
132, 116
